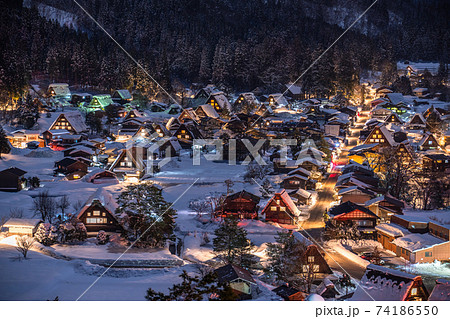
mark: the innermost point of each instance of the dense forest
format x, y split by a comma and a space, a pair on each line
237, 44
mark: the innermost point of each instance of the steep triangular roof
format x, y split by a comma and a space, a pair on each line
105, 198
287, 200
75, 120
208, 110
417, 119
393, 118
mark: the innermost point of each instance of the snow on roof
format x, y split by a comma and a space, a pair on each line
387, 135
59, 88
209, 111
294, 89
352, 188
362, 147
83, 149
383, 284
382, 198
420, 116
441, 291
287, 200
392, 229
311, 160
303, 192
15, 171
330, 111
124, 94
222, 100
279, 99
266, 106
414, 242
311, 149
420, 90
93, 174
296, 176
250, 98
299, 237
75, 120
229, 273
190, 113
300, 170
419, 66
103, 99
426, 137
106, 200
22, 222
395, 98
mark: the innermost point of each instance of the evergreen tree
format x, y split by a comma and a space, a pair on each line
285, 258
5, 147
231, 243
146, 215
193, 288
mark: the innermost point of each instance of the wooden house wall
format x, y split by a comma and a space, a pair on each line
278, 215
109, 225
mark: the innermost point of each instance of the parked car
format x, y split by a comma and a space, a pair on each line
369, 256
33, 145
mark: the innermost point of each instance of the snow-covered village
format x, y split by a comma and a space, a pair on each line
219, 160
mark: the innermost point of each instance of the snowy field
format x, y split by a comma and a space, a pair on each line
41, 278
42, 167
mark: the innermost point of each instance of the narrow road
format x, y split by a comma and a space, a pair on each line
313, 227
342, 264
324, 199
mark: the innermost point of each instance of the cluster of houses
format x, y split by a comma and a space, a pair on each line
386, 124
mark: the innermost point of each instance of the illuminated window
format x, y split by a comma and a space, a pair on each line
413, 291
310, 259
96, 213
273, 208
283, 209
96, 221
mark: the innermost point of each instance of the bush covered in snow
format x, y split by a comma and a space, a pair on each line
46, 234
72, 231
102, 237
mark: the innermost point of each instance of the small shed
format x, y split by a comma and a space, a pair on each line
239, 279
22, 226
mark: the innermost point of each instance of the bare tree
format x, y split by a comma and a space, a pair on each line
63, 204
215, 200
229, 184
44, 206
200, 206
24, 244
257, 171
77, 205
16, 212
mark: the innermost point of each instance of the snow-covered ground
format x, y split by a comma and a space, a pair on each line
340, 249
42, 277
42, 167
